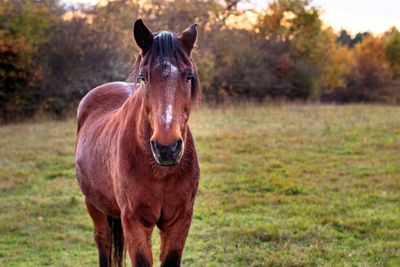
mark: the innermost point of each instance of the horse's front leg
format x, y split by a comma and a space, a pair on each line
173, 237
138, 239
102, 233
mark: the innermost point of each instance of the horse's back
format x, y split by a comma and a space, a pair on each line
103, 100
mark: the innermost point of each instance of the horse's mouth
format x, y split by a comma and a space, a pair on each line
167, 163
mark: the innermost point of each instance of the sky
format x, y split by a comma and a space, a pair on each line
352, 15
355, 15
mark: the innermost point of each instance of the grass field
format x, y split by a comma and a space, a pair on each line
281, 185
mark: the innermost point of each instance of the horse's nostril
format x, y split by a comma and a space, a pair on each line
154, 147
176, 147
179, 145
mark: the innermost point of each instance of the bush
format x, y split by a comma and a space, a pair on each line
78, 57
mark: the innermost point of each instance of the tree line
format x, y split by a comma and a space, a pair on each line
52, 54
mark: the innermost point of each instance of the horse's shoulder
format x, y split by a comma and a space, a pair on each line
103, 99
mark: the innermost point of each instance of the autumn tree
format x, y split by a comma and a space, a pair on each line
296, 25
393, 52
23, 26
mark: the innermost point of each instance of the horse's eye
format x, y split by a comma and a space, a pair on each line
141, 77
189, 77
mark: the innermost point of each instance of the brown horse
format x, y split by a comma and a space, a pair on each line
135, 158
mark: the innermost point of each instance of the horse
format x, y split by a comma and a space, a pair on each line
135, 157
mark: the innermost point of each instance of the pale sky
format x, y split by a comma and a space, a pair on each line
353, 15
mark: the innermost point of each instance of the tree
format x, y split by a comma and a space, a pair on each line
393, 52
23, 26
344, 38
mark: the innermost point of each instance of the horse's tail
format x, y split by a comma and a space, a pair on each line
117, 248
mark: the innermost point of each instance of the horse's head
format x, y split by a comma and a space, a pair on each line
169, 80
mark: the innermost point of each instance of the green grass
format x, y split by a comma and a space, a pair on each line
281, 185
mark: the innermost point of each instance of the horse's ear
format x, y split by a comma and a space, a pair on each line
143, 35
188, 37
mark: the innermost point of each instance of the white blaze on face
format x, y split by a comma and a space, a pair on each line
168, 115
170, 71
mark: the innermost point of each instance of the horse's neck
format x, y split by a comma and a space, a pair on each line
134, 127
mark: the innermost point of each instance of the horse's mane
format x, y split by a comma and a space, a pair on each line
164, 50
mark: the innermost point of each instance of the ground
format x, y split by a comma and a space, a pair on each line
281, 185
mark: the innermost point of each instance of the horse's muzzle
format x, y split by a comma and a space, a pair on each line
169, 155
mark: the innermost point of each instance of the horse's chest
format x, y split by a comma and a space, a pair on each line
153, 202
